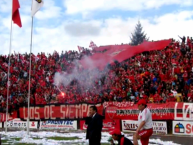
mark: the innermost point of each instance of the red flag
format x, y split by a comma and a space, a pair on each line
15, 13
120, 53
80, 48
92, 45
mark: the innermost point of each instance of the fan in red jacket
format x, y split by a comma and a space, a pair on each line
116, 135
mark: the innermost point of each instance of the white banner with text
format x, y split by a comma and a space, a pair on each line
59, 124
182, 127
159, 127
17, 123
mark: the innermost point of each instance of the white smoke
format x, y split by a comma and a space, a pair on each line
87, 78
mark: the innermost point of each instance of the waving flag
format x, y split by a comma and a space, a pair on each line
92, 45
15, 13
36, 5
120, 53
80, 48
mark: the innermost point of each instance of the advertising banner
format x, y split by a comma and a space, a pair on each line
59, 124
130, 111
159, 127
182, 127
17, 123
107, 125
183, 111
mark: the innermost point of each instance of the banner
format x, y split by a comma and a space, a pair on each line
182, 127
10, 116
17, 123
183, 111
107, 125
111, 111
159, 127
130, 111
59, 124
58, 112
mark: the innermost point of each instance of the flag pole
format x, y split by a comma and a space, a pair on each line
8, 83
28, 119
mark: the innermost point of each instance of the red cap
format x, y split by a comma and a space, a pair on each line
115, 132
142, 102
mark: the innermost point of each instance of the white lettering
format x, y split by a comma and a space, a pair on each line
84, 109
24, 113
51, 112
31, 112
46, 112
37, 114
71, 111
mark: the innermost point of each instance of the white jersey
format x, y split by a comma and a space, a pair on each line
146, 116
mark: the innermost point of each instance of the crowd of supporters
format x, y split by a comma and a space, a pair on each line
158, 76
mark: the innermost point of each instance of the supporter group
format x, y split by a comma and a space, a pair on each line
157, 76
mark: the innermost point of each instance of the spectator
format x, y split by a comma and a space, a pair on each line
151, 75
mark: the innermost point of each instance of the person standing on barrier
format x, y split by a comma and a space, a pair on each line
145, 124
95, 124
116, 135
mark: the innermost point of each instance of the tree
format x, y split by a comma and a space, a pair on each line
138, 37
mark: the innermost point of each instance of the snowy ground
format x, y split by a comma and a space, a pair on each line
41, 138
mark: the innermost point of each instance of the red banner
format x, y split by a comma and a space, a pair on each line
183, 111
53, 112
10, 116
107, 124
111, 110
122, 111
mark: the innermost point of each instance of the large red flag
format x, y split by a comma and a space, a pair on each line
120, 53
15, 13
145, 46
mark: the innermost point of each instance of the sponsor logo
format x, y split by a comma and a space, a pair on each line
32, 124
111, 111
109, 125
43, 122
50, 124
142, 133
118, 104
129, 126
106, 125
179, 128
61, 122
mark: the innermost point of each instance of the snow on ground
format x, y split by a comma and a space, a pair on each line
42, 138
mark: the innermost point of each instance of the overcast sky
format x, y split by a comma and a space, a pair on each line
64, 24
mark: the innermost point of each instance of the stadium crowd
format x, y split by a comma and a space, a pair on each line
158, 76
